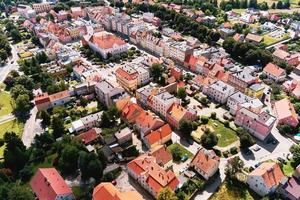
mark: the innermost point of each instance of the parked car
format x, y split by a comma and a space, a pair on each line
256, 148
184, 158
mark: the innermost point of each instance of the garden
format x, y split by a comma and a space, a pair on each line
179, 152
6, 105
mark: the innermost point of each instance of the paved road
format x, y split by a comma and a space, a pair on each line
11, 65
31, 128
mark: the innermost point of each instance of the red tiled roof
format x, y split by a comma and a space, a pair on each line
274, 70
88, 136
47, 184
270, 172
106, 191
59, 95
162, 154
159, 134
156, 177
205, 160
123, 74
42, 98
106, 40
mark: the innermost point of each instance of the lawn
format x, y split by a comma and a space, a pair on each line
229, 192
12, 125
183, 150
288, 169
226, 135
6, 103
268, 40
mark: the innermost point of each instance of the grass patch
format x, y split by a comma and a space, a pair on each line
226, 135
78, 191
12, 125
288, 168
6, 105
183, 151
268, 40
229, 192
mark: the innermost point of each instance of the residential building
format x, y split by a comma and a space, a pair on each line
42, 7
291, 189
219, 91
48, 184
150, 175
177, 113
266, 178
105, 43
147, 122
162, 102
107, 191
259, 125
163, 156
274, 72
89, 136
235, 100
254, 39
45, 101
86, 123
77, 12
256, 90
241, 80
127, 77
124, 135
158, 137
144, 94
179, 51
206, 163
286, 113
108, 93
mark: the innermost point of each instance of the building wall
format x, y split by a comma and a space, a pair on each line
257, 184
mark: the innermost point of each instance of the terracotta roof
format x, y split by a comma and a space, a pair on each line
159, 134
106, 40
88, 136
125, 75
253, 37
155, 177
162, 154
42, 98
285, 109
270, 172
281, 54
106, 191
177, 112
146, 121
59, 95
47, 184
274, 70
205, 160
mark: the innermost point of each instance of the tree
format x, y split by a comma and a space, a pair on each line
20, 193
23, 104
57, 125
15, 156
285, 129
234, 166
295, 150
209, 139
185, 127
16, 35
273, 5
204, 119
246, 139
279, 5
181, 93
213, 115
156, 71
166, 194
46, 118
68, 159
90, 165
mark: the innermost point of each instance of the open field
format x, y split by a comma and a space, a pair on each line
12, 125
229, 192
226, 135
5, 103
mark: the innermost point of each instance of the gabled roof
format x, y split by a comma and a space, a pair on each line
88, 136
253, 37
270, 173
106, 191
285, 109
159, 134
59, 95
205, 160
155, 177
274, 70
47, 184
162, 154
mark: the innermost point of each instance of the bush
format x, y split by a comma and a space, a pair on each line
226, 124
225, 154
204, 119
112, 175
213, 115
218, 152
233, 150
130, 152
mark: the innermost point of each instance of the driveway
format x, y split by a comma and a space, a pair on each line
31, 128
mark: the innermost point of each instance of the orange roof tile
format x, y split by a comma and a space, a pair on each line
270, 172
42, 98
156, 177
88, 136
106, 191
274, 70
59, 95
285, 109
162, 154
205, 160
159, 134
106, 40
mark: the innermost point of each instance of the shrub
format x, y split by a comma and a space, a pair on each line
204, 119
233, 150
226, 124
213, 115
